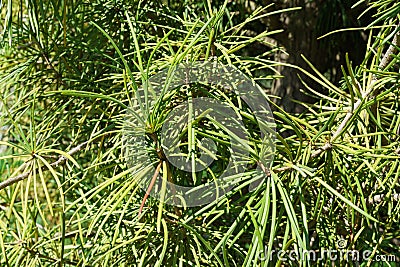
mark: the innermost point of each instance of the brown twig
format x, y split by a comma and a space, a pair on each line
61, 161
152, 182
161, 155
391, 50
383, 64
364, 96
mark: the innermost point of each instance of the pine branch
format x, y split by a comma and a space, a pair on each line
61, 161
364, 96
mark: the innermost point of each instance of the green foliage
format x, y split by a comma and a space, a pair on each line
69, 70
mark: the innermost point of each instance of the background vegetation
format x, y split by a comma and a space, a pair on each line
68, 69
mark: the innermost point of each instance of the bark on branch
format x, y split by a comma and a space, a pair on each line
60, 161
364, 96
